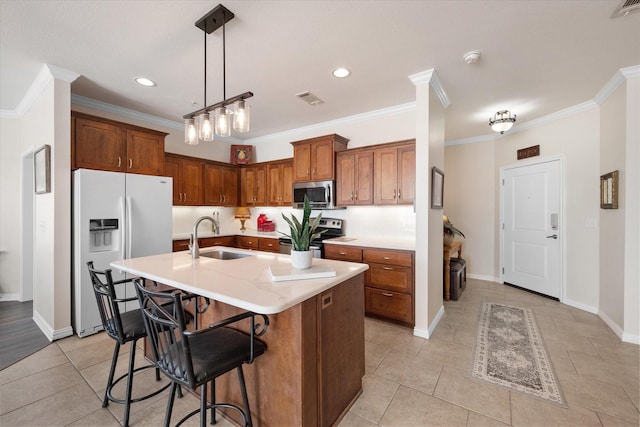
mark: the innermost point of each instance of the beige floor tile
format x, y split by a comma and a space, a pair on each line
96, 375
401, 339
448, 353
73, 342
527, 411
617, 351
479, 420
353, 420
84, 356
373, 355
377, 393
585, 329
412, 408
30, 389
44, 359
542, 311
100, 418
410, 371
455, 387
634, 395
609, 421
598, 396
55, 409
607, 371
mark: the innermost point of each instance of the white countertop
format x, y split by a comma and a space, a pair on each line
405, 244
244, 282
250, 233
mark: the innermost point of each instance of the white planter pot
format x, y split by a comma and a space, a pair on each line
301, 260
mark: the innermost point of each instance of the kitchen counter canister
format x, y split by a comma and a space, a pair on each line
372, 242
244, 282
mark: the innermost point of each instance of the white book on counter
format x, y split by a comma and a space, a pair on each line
284, 272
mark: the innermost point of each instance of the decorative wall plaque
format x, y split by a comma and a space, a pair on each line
609, 190
532, 151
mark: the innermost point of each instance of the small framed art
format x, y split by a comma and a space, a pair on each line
437, 188
609, 190
241, 154
42, 169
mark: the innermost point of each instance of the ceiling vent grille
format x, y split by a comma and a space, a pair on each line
309, 98
626, 7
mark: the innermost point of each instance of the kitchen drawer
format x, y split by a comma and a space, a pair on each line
383, 256
269, 245
180, 245
247, 242
389, 277
207, 242
392, 305
343, 253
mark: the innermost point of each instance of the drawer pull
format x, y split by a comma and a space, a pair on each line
386, 294
342, 253
386, 257
387, 268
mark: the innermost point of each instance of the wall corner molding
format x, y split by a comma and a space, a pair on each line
48, 331
62, 74
431, 77
432, 327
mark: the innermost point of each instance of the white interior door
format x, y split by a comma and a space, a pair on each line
532, 227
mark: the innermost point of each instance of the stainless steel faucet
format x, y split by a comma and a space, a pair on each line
193, 241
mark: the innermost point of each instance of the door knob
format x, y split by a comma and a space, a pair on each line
553, 236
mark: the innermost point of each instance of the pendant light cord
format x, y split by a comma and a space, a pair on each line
205, 67
224, 56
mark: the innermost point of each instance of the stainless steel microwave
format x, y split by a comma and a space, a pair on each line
321, 194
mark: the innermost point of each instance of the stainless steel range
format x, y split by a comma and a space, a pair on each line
333, 228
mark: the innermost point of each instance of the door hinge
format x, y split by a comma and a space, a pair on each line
502, 181
502, 270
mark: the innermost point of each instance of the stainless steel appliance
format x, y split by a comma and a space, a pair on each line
333, 228
321, 194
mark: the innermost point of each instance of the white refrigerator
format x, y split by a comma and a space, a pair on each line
115, 216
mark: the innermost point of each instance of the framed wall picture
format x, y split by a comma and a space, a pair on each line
241, 154
42, 169
437, 188
609, 190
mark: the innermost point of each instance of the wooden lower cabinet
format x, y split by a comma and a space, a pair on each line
204, 242
266, 244
312, 370
389, 281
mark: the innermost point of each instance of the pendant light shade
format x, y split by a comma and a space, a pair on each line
223, 127
190, 132
241, 117
204, 127
502, 121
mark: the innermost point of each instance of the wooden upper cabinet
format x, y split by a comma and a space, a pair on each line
220, 185
117, 147
394, 174
354, 176
280, 178
188, 180
314, 159
253, 185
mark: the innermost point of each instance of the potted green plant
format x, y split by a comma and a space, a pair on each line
450, 231
302, 233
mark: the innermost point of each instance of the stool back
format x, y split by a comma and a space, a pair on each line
108, 303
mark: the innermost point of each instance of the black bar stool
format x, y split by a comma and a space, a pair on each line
196, 358
123, 327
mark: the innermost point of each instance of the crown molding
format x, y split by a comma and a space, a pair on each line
62, 74
431, 77
618, 78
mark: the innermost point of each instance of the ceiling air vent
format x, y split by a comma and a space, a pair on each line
309, 98
626, 7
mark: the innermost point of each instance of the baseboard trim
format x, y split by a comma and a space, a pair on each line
631, 339
9, 297
432, 327
50, 333
611, 324
581, 306
483, 277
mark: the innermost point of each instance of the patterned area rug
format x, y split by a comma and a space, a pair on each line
510, 353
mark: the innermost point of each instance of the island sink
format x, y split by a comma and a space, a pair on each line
223, 255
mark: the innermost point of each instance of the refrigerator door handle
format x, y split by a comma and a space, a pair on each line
122, 225
129, 227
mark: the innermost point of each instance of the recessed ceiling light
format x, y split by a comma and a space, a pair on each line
341, 72
145, 81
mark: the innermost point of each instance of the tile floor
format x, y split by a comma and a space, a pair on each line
409, 381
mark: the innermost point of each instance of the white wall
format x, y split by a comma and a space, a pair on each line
612, 221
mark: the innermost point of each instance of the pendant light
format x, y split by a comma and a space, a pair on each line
202, 122
502, 121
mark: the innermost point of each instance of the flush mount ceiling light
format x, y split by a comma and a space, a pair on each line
341, 72
200, 125
145, 81
502, 121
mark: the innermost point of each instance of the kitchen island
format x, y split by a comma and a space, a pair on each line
312, 370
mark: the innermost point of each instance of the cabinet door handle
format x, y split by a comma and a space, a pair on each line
119, 161
386, 294
130, 163
387, 268
398, 193
185, 196
307, 171
356, 195
394, 193
224, 198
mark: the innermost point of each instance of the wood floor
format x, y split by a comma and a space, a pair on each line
19, 335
